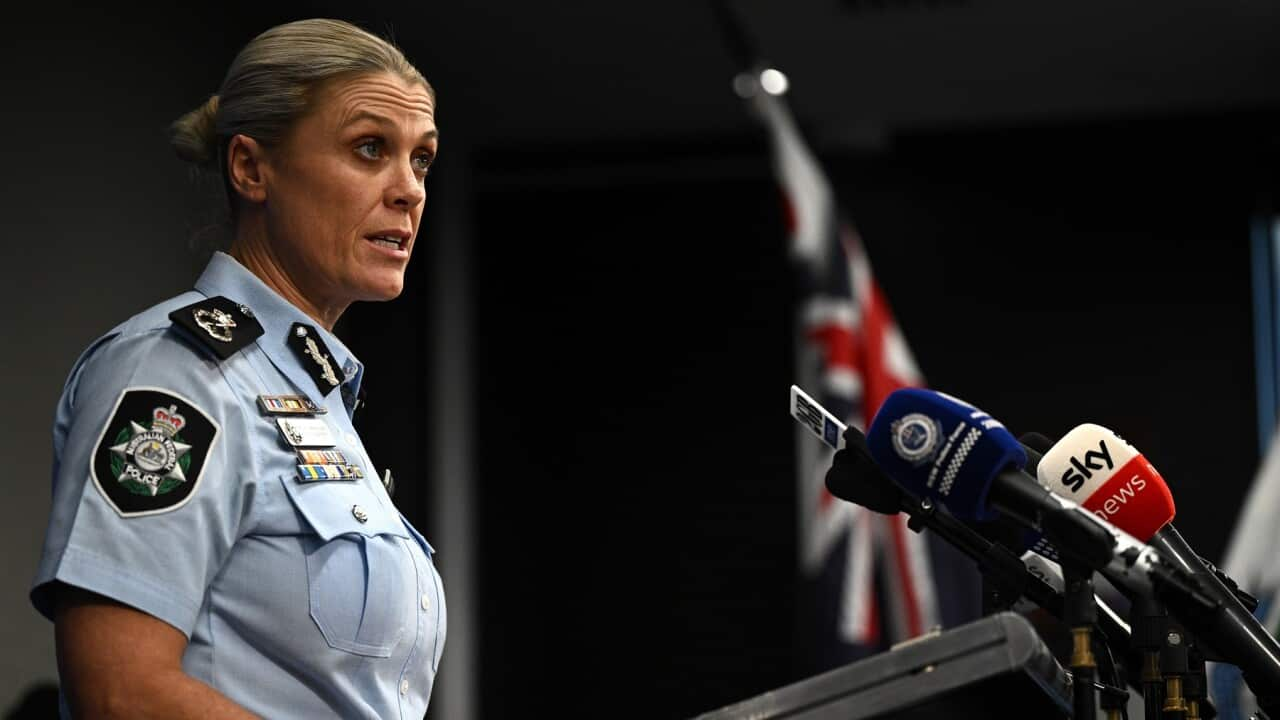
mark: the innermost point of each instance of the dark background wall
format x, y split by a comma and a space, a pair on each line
1055, 196
634, 363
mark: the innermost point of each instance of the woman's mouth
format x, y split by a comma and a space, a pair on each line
391, 243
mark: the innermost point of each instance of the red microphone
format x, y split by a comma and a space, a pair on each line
1109, 478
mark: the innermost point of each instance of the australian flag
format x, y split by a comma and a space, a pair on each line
869, 580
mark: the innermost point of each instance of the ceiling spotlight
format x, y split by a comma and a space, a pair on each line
773, 82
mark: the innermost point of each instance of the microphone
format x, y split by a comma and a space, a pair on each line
1108, 477
1115, 481
938, 447
855, 477
944, 449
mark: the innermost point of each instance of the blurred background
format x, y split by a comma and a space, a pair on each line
582, 392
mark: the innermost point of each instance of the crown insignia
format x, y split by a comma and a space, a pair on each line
168, 421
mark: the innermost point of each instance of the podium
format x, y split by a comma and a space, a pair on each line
996, 667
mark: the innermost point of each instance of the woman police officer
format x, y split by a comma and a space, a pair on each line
219, 543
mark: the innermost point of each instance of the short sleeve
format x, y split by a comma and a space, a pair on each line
151, 454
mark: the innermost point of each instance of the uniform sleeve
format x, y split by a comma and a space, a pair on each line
148, 482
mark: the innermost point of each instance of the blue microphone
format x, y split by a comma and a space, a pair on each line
948, 451
941, 448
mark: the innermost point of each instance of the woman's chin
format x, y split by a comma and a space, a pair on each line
382, 288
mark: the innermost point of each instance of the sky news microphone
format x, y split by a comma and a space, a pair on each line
1096, 468
1108, 477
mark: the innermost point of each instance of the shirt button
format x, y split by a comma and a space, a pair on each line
426, 602
358, 513
404, 687
352, 439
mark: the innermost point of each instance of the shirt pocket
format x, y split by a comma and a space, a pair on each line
359, 583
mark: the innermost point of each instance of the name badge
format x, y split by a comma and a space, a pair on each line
289, 405
305, 432
313, 473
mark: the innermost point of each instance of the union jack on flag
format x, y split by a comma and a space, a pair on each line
876, 574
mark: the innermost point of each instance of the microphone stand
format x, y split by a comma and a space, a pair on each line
1112, 698
1256, 653
1197, 686
1080, 613
1149, 620
1177, 666
1005, 577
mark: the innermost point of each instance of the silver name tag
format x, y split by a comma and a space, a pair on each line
305, 431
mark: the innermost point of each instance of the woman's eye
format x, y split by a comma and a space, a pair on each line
370, 149
422, 163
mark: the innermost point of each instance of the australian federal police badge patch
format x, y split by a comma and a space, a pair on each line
152, 452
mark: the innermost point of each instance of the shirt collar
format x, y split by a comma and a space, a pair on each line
224, 275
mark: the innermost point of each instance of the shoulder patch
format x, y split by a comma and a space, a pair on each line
152, 452
222, 325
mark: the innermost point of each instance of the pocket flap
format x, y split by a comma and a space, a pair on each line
331, 508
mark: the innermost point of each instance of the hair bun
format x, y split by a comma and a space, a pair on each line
194, 135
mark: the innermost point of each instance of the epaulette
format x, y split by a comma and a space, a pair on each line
223, 326
314, 356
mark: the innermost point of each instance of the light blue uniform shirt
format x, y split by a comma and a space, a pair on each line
294, 606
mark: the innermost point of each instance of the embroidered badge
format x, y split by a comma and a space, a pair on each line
152, 452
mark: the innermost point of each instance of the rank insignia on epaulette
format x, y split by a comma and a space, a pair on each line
221, 325
289, 405
314, 356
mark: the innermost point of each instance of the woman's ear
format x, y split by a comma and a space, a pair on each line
246, 158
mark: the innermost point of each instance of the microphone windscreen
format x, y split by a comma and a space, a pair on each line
855, 477
1035, 445
942, 448
1036, 441
1110, 478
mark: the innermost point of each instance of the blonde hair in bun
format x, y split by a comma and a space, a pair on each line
269, 84
194, 137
